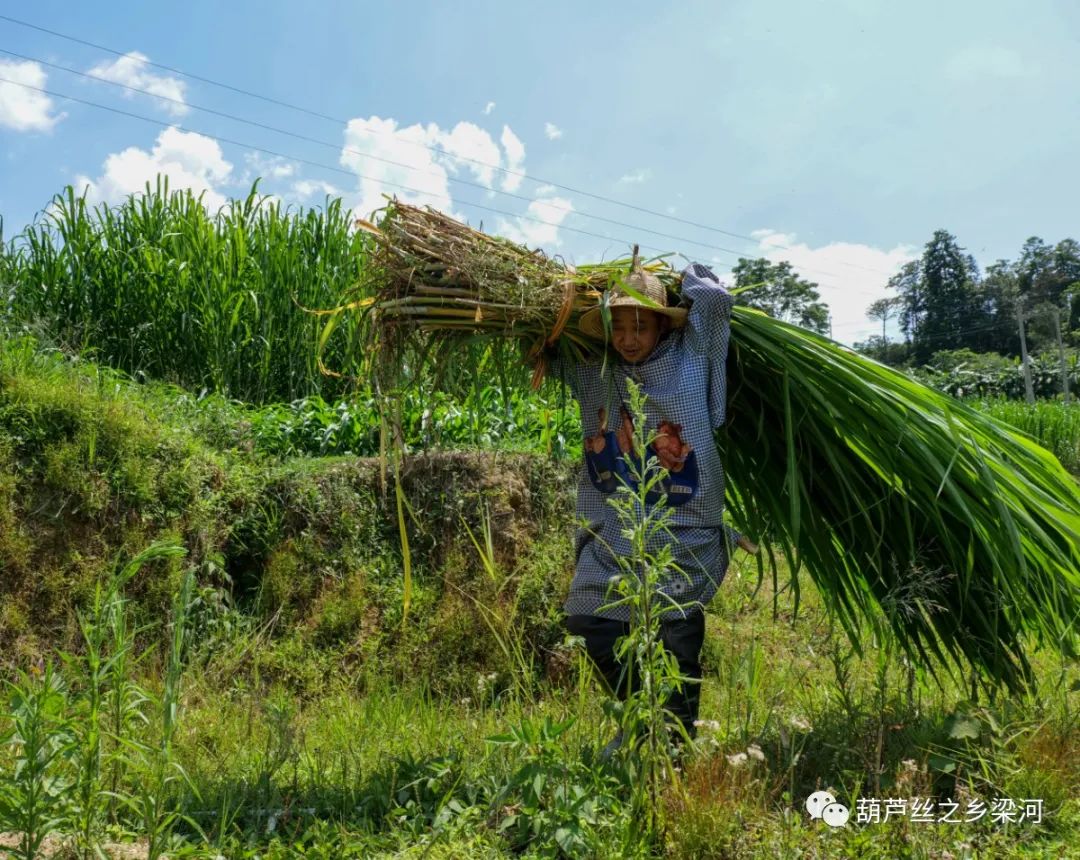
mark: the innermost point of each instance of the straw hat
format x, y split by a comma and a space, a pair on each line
642, 282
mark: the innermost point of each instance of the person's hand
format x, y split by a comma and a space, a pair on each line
746, 544
670, 448
625, 434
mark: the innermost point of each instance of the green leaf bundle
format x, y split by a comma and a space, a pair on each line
901, 502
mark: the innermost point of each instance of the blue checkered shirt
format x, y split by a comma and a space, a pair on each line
684, 382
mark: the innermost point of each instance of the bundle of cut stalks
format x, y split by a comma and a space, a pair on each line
443, 279
905, 507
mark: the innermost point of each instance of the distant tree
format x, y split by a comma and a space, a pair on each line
944, 303
1048, 279
777, 290
876, 347
911, 304
953, 313
1067, 280
1034, 268
999, 292
884, 310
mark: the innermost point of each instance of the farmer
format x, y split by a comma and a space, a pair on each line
677, 358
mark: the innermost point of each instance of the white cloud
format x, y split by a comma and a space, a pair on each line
515, 158
530, 231
552, 131
189, 159
470, 147
488, 108
22, 109
636, 177
849, 276
425, 158
305, 189
131, 71
987, 61
267, 167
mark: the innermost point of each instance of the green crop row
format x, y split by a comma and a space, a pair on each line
1053, 424
158, 287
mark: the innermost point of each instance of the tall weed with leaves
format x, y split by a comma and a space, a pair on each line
35, 796
108, 703
155, 801
646, 721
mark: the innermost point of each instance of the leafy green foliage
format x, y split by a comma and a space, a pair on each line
777, 290
553, 805
482, 417
963, 373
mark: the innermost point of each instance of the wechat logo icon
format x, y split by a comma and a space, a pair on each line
823, 805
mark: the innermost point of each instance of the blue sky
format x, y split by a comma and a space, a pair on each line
838, 135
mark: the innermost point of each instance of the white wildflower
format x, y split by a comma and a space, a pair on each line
737, 760
801, 724
754, 751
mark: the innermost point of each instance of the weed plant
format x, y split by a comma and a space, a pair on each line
34, 796
654, 674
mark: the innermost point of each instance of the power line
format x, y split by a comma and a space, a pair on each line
338, 148
356, 174
343, 122
344, 171
311, 163
939, 336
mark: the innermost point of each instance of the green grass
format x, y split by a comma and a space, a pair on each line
1052, 423
312, 719
369, 766
94, 468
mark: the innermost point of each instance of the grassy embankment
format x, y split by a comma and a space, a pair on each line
308, 715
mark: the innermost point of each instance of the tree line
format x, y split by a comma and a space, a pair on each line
942, 301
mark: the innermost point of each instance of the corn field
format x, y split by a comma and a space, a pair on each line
159, 288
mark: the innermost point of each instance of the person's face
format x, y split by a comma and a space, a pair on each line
635, 332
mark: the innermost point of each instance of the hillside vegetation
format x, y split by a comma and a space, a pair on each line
209, 647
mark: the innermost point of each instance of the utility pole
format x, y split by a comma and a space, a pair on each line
1029, 392
1061, 354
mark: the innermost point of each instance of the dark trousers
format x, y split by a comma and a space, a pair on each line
682, 637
